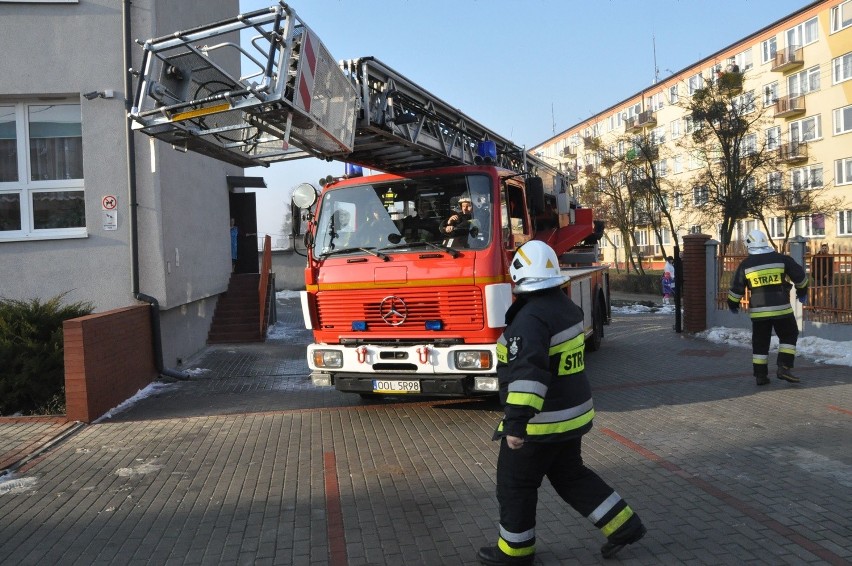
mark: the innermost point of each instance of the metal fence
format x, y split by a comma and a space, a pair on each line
829, 292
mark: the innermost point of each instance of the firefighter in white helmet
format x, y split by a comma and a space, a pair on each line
766, 272
548, 408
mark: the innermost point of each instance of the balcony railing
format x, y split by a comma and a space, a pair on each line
788, 58
730, 81
793, 152
646, 119
568, 151
647, 250
794, 200
788, 106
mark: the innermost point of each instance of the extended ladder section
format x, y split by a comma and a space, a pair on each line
291, 99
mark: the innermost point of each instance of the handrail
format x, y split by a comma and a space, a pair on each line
263, 284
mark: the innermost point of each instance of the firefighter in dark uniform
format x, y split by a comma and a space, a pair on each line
765, 272
548, 408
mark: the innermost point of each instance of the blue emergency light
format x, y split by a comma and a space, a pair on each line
359, 325
486, 152
353, 170
434, 325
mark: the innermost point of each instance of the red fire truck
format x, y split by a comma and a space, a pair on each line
406, 280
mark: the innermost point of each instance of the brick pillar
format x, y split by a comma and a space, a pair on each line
694, 290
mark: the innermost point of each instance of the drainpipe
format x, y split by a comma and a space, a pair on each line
131, 198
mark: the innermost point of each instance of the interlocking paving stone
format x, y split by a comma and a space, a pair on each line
229, 467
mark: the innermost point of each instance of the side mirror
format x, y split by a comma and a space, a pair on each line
304, 196
535, 194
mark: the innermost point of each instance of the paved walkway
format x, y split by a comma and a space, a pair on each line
248, 463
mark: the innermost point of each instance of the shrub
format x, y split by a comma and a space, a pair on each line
648, 283
32, 367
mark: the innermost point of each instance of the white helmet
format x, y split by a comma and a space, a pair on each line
756, 243
535, 267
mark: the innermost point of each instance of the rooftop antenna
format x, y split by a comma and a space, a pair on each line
656, 69
552, 119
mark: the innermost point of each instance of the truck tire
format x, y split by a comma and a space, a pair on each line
593, 342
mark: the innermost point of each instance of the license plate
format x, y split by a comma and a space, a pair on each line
395, 386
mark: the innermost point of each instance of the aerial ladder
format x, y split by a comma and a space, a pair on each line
262, 88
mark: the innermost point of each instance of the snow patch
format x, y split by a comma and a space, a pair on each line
139, 470
149, 391
15, 486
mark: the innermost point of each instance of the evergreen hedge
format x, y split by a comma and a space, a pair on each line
32, 365
649, 283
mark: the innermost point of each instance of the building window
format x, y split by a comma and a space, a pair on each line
695, 229
677, 164
678, 200
777, 227
773, 183
658, 135
744, 103
841, 16
662, 168
694, 83
770, 94
773, 138
675, 129
803, 34
811, 226
841, 68
700, 195
843, 171
842, 120
844, 223
673, 96
803, 82
768, 49
744, 60
806, 129
806, 178
41, 171
748, 145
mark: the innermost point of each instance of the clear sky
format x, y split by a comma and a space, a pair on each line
525, 69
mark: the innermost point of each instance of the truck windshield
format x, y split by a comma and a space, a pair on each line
450, 212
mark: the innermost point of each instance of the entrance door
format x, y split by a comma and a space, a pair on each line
244, 213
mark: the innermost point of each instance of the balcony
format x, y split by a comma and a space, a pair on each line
794, 200
731, 82
589, 169
568, 152
789, 106
589, 142
793, 152
646, 119
787, 59
646, 250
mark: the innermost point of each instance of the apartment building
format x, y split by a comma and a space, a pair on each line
798, 71
88, 208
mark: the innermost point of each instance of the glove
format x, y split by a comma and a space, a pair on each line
802, 299
734, 309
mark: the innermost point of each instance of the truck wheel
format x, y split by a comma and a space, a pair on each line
593, 342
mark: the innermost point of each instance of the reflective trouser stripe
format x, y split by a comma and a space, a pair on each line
617, 521
787, 349
503, 545
604, 507
759, 359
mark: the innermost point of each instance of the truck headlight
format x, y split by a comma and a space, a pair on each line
473, 359
328, 358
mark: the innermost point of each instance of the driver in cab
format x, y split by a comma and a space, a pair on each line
457, 227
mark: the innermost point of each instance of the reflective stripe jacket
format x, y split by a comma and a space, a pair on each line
540, 368
766, 275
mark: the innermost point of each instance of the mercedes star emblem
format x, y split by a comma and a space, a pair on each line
393, 310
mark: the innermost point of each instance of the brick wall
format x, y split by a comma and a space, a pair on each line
694, 290
109, 357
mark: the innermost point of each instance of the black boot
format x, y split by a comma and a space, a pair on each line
619, 540
762, 379
786, 374
493, 556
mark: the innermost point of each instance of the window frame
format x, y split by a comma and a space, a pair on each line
799, 33
805, 226
27, 189
803, 82
800, 126
838, 64
836, 16
768, 49
839, 122
843, 221
841, 178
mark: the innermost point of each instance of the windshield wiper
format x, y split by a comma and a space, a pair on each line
371, 251
453, 252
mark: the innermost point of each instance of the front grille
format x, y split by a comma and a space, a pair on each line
460, 309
